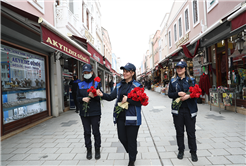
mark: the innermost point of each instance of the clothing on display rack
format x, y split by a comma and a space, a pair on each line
204, 83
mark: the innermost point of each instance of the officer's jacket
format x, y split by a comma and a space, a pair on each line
174, 88
133, 113
74, 85
94, 104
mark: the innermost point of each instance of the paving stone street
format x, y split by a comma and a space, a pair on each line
221, 139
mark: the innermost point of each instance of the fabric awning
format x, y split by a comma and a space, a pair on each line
187, 52
239, 21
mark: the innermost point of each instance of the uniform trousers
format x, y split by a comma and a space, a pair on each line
128, 137
92, 122
184, 119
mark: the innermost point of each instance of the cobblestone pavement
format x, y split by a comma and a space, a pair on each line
221, 139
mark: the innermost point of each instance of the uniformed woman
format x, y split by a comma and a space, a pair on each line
186, 115
129, 120
91, 117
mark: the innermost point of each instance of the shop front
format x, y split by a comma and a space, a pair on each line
25, 77
66, 62
227, 64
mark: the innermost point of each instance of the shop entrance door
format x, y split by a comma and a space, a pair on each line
221, 69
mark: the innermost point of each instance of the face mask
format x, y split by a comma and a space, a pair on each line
87, 76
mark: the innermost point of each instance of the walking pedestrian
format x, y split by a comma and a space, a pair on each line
91, 117
186, 115
129, 120
74, 84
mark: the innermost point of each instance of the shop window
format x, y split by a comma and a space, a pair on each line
23, 84
237, 71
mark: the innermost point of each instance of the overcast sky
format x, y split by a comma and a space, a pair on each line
130, 23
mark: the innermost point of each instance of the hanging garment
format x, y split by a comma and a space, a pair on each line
204, 84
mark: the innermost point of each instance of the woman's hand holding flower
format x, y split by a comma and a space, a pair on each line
124, 99
185, 97
99, 93
181, 94
86, 99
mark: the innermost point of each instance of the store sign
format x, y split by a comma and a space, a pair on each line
182, 40
58, 43
95, 55
107, 64
197, 71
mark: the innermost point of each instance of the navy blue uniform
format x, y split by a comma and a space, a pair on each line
186, 115
129, 120
91, 118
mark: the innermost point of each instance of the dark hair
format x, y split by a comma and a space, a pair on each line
134, 76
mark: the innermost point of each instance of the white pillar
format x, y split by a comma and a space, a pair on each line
59, 85
95, 69
54, 90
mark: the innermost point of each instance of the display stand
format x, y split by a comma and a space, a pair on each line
216, 96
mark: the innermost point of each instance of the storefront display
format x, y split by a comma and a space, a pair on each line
23, 84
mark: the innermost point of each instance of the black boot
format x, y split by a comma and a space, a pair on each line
194, 157
180, 155
89, 154
97, 153
131, 163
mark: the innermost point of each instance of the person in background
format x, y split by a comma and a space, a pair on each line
90, 118
74, 84
186, 115
129, 120
111, 85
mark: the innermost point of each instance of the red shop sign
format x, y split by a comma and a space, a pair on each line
58, 43
94, 54
107, 64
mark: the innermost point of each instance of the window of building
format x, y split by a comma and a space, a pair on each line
82, 12
195, 12
211, 4
166, 40
170, 40
87, 16
71, 6
180, 27
38, 4
175, 32
187, 21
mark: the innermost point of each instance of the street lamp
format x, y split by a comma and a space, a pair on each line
240, 43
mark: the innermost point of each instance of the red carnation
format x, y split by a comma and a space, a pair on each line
97, 79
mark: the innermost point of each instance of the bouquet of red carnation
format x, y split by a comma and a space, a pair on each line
137, 94
93, 90
194, 92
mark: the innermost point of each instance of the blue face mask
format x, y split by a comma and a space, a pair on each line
87, 76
